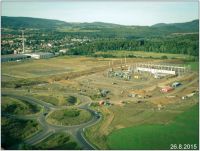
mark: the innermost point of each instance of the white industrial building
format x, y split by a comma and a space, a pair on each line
40, 55
63, 51
160, 69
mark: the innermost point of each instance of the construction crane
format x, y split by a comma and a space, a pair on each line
23, 51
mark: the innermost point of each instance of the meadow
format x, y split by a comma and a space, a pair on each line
134, 54
194, 65
68, 117
58, 100
183, 130
65, 29
116, 118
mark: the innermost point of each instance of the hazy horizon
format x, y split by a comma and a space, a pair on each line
123, 13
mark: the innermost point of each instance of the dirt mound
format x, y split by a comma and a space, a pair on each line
73, 75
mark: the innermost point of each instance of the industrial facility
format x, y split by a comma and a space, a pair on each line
160, 69
14, 57
156, 70
19, 57
40, 55
24, 55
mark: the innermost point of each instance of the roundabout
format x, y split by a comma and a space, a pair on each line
54, 119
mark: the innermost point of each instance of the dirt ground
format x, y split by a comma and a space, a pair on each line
89, 77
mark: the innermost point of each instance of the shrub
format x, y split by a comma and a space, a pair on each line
72, 99
72, 113
164, 57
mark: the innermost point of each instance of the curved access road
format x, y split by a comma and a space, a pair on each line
48, 129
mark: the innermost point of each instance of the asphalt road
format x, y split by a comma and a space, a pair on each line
76, 131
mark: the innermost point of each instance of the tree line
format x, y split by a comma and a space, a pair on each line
187, 44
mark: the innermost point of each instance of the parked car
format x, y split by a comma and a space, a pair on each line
176, 84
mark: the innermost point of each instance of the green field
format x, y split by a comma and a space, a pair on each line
143, 54
68, 29
131, 114
58, 100
15, 131
13, 106
69, 117
194, 65
183, 130
57, 141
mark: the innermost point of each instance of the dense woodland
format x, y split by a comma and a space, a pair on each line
187, 44
177, 38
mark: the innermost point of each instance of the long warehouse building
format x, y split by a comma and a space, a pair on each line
18, 57
13, 57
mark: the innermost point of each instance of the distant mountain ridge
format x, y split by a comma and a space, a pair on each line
192, 26
29, 22
160, 28
196, 21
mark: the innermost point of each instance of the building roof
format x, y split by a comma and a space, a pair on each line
13, 56
43, 53
40, 53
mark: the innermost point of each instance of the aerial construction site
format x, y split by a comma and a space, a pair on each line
101, 75
109, 94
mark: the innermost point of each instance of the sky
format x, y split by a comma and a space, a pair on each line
119, 12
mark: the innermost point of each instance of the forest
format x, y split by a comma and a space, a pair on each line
180, 44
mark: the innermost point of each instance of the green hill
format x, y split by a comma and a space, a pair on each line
178, 27
157, 29
28, 22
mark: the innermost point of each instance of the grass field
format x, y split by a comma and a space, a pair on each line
57, 141
183, 130
194, 65
14, 131
144, 54
138, 114
117, 117
47, 67
58, 100
13, 106
68, 29
133, 114
69, 117
48, 99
